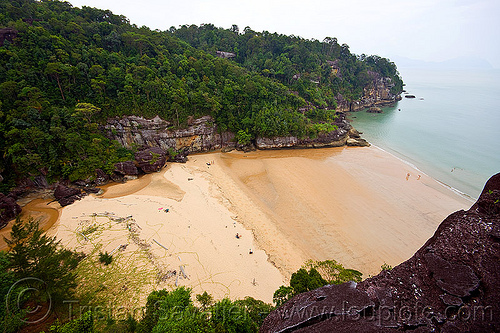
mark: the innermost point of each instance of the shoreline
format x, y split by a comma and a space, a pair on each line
445, 185
255, 191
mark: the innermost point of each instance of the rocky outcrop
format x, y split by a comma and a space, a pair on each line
9, 209
101, 177
374, 109
342, 136
200, 136
151, 159
126, 168
67, 195
377, 93
449, 285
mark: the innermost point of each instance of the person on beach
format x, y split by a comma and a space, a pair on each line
407, 176
238, 235
418, 178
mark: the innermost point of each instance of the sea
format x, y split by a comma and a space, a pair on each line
449, 131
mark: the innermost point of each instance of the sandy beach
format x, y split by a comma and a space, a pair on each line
178, 227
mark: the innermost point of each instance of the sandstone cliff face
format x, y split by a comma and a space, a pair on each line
449, 285
377, 93
202, 135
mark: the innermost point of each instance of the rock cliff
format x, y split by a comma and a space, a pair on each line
201, 135
449, 285
377, 93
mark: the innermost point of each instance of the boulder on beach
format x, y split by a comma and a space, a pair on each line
67, 195
151, 159
126, 168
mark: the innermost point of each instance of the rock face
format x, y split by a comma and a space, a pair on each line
200, 136
9, 209
126, 168
67, 195
376, 94
151, 159
449, 285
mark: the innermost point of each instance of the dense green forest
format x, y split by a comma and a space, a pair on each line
66, 70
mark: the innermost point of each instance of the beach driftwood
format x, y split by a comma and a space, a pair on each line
154, 240
183, 272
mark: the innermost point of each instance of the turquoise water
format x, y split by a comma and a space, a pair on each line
450, 131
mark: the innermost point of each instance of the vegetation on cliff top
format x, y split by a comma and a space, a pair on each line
68, 69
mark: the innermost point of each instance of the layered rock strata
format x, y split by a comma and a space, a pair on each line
202, 136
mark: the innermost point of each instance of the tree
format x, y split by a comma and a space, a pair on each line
35, 255
55, 69
87, 110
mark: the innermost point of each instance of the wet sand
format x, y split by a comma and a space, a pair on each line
46, 211
353, 205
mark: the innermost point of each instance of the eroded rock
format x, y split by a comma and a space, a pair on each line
151, 159
67, 195
126, 168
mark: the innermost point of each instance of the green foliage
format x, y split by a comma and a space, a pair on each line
302, 280
243, 137
84, 324
105, 258
282, 295
174, 312
151, 314
231, 317
10, 321
206, 300
313, 275
386, 267
35, 255
334, 272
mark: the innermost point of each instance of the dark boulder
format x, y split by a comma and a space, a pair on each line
41, 182
151, 159
9, 209
126, 168
101, 177
449, 285
67, 195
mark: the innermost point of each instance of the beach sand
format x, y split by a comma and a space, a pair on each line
353, 205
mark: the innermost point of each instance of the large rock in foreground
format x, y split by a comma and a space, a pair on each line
449, 285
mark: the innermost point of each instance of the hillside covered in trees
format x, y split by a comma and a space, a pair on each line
65, 70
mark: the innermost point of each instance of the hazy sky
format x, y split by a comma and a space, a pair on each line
430, 30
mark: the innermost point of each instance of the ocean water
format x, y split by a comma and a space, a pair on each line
450, 131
